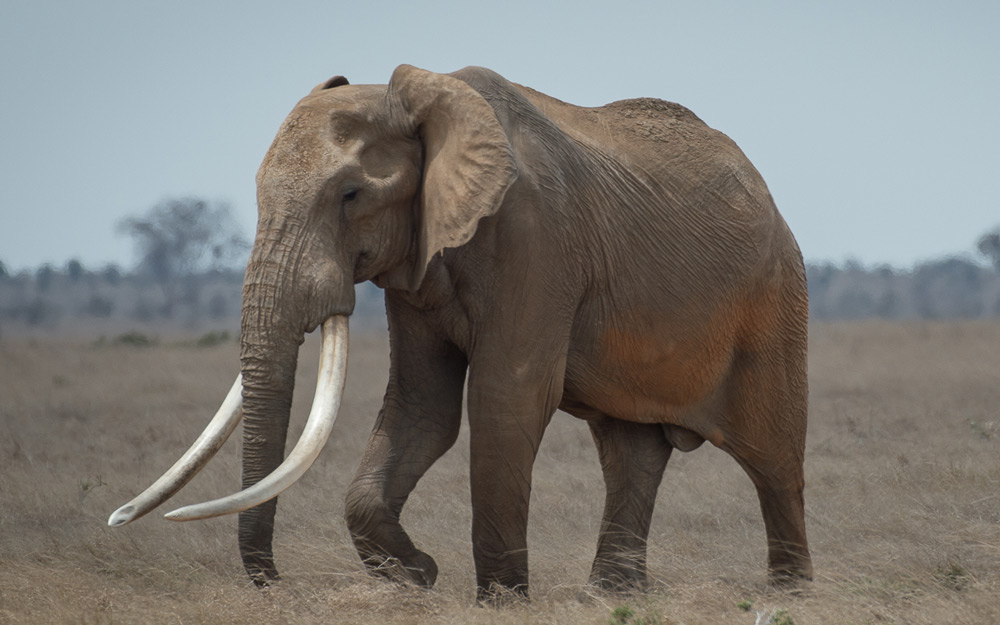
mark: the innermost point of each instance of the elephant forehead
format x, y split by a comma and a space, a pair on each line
312, 125
294, 156
347, 108
317, 134
310, 144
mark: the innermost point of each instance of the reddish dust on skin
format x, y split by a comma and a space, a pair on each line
657, 377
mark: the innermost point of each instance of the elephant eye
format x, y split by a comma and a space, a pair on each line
349, 195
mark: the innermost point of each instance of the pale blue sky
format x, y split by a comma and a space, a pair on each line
875, 124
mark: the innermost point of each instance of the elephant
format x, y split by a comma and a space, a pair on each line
625, 264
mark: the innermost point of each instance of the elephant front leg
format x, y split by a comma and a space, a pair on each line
419, 421
396, 457
501, 489
507, 418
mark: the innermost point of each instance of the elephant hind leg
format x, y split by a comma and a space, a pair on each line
633, 457
766, 435
781, 502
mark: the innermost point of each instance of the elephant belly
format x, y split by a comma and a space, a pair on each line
653, 377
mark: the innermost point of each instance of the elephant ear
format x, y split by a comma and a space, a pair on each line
336, 81
468, 161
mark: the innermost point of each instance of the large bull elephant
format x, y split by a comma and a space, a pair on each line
624, 263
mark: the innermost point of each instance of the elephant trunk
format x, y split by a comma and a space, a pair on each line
280, 302
273, 324
268, 358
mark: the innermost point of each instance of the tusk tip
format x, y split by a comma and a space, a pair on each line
122, 516
180, 514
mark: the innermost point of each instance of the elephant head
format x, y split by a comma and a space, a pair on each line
362, 182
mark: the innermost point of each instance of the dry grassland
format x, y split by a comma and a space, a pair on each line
903, 498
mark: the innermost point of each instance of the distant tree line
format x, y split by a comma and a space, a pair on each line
189, 271
951, 288
955, 287
55, 297
52, 295
190, 257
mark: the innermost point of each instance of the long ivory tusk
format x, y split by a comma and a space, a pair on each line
188, 465
326, 403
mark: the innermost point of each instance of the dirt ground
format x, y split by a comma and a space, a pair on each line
902, 496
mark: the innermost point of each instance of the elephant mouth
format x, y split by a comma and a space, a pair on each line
322, 415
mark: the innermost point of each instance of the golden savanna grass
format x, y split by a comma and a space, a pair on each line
903, 498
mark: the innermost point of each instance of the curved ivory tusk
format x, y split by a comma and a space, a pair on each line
193, 460
326, 402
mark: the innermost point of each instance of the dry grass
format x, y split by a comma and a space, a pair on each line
903, 498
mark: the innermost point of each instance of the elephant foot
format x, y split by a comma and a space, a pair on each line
618, 580
501, 576
418, 570
785, 579
790, 569
499, 596
620, 572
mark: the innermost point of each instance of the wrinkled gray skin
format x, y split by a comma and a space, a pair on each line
624, 263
